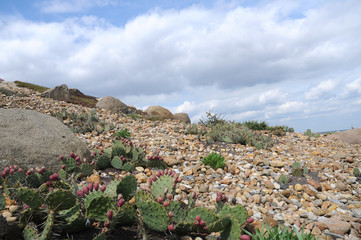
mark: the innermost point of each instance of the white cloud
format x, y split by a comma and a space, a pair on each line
321, 90
243, 61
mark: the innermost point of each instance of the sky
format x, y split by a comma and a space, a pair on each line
294, 62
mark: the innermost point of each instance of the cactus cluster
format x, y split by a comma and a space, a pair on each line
356, 172
74, 165
298, 170
156, 161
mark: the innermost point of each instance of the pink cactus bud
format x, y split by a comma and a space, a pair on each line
80, 193
245, 237
15, 167
150, 182
11, 170
51, 177
120, 202
20, 170
92, 163
170, 214
107, 224
61, 157
26, 206
77, 158
158, 174
3, 174
102, 188
48, 184
166, 203
110, 214
100, 153
55, 176
43, 169
96, 146
78, 163
161, 172
96, 186
250, 220
219, 194
202, 223
178, 180
194, 195
218, 199
154, 178
170, 196
72, 155
166, 171
90, 186
160, 199
165, 191
172, 173
63, 167
205, 228
171, 227
195, 223
7, 171
86, 190
198, 218
43, 205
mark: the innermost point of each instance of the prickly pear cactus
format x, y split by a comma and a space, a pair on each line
2, 201
98, 207
30, 197
237, 216
232, 231
125, 215
60, 199
70, 164
30, 232
86, 169
143, 196
15, 178
128, 167
161, 184
102, 161
33, 180
127, 187
154, 215
117, 163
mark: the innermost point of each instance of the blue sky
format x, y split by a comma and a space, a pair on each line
294, 63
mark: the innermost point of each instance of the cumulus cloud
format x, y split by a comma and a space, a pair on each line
247, 61
321, 90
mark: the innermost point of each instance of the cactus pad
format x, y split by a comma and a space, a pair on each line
117, 163
141, 197
128, 167
60, 199
154, 215
238, 212
127, 187
33, 180
2, 201
98, 207
30, 233
86, 169
160, 184
125, 215
29, 197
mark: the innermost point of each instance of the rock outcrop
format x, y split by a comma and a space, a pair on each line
158, 111
112, 104
32, 139
59, 93
182, 117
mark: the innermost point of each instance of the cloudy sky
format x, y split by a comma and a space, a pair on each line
288, 62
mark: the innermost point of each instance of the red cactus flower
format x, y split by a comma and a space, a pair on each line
202, 223
250, 220
120, 202
86, 190
102, 188
80, 193
166, 203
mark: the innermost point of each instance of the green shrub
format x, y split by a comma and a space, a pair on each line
6, 92
356, 172
31, 86
280, 233
214, 160
255, 125
212, 119
311, 134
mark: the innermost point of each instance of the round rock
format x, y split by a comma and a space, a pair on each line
112, 104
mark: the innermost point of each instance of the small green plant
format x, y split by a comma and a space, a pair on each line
283, 179
356, 172
212, 119
6, 92
280, 233
298, 170
214, 160
124, 133
255, 125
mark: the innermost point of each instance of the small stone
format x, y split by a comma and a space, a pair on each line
335, 225
277, 163
269, 184
11, 219
316, 231
341, 186
298, 187
6, 214
13, 208
356, 213
315, 184
139, 169
203, 188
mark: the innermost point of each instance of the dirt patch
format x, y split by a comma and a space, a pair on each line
352, 136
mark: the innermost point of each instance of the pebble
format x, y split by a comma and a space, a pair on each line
250, 174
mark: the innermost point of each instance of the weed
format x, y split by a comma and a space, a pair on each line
280, 233
214, 160
124, 133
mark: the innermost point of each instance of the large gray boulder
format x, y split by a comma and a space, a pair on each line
59, 93
182, 117
32, 139
112, 104
158, 111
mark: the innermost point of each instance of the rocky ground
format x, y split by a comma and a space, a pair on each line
326, 202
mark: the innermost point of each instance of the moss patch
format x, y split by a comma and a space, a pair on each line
31, 86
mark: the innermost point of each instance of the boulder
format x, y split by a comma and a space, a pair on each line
32, 139
158, 111
59, 93
75, 91
112, 104
182, 117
